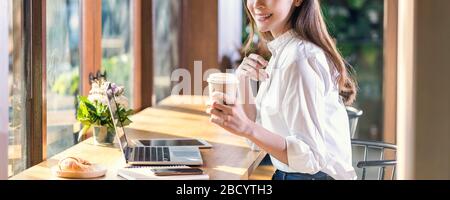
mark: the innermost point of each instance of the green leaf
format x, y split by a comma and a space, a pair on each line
87, 112
98, 114
126, 122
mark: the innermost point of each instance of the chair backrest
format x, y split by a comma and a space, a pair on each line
353, 117
375, 161
373, 153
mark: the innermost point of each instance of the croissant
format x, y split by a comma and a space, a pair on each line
73, 164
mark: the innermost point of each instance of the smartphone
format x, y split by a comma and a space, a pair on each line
177, 172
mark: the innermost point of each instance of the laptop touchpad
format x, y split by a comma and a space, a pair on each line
185, 154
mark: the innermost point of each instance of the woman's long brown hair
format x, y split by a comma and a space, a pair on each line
308, 22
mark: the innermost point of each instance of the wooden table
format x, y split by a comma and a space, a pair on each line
175, 117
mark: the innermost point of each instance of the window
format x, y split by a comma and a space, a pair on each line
17, 149
184, 32
47, 119
63, 73
358, 27
117, 41
166, 38
64, 66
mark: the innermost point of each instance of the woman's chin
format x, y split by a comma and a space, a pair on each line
263, 29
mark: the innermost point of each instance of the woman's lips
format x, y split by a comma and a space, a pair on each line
262, 17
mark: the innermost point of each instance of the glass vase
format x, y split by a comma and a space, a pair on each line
103, 136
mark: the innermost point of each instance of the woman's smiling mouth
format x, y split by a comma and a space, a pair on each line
263, 17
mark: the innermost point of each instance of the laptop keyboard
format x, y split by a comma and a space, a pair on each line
151, 154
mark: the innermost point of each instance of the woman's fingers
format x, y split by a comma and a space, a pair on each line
225, 109
250, 72
217, 121
259, 59
254, 73
223, 98
253, 67
254, 63
221, 115
220, 99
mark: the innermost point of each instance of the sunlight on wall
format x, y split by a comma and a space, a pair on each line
405, 110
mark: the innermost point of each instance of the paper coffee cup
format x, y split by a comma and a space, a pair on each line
225, 83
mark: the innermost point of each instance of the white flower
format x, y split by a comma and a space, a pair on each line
97, 94
98, 98
122, 101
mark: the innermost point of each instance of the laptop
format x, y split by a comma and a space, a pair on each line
151, 155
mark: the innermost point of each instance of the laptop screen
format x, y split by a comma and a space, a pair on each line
120, 132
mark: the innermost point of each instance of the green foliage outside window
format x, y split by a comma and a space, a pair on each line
358, 27
68, 83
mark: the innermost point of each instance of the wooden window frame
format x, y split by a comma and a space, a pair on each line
137, 53
390, 70
143, 54
90, 42
35, 64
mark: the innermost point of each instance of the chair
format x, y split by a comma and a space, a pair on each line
381, 163
371, 162
353, 117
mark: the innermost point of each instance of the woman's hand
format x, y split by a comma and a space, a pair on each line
253, 67
233, 119
230, 117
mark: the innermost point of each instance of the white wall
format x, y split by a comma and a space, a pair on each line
230, 28
4, 121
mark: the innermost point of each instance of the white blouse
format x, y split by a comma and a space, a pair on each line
301, 103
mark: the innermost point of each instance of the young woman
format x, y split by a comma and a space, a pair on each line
299, 114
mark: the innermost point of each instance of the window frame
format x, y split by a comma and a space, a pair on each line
143, 54
35, 70
90, 41
390, 71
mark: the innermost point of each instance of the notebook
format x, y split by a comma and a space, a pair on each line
146, 173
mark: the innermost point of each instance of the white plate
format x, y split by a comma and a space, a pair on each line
98, 171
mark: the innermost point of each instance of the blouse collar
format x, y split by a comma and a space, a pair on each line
280, 42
